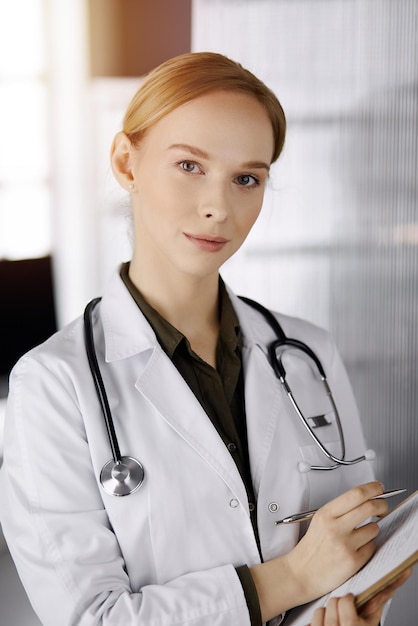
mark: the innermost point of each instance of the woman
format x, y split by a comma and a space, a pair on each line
193, 397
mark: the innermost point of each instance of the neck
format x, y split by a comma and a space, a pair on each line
188, 302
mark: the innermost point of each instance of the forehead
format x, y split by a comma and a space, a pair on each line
220, 122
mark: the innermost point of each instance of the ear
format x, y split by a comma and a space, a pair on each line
120, 159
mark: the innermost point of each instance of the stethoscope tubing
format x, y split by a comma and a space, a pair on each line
280, 371
98, 380
336, 460
122, 475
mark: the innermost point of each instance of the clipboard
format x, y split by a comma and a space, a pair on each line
408, 562
397, 551
381, 584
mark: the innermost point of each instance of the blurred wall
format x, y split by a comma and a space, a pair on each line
337, 242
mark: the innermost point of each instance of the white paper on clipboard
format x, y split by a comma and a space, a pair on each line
397, 549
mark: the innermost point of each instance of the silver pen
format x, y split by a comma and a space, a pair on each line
307, 515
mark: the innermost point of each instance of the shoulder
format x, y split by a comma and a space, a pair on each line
256, 330
120, 331
255, 324
57, 358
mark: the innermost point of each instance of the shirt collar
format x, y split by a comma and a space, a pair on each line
168, 336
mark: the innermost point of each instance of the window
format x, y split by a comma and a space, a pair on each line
25, 196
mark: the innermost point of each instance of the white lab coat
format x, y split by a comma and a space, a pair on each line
167, 553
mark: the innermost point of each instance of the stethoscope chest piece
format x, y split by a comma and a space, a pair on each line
122, 477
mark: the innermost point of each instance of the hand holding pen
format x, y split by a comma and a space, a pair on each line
338, 542
305, 516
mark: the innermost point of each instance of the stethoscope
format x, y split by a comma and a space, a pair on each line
123, 475
276, 362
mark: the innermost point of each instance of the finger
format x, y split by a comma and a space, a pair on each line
364, 534
357, 516
331, 613
375, 507
400, 580
318, 617
363, 554
378, 601
352, 498
347, 613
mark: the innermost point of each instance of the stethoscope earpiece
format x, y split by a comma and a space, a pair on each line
304, 467
370, 455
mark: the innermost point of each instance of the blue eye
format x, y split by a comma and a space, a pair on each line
247, 180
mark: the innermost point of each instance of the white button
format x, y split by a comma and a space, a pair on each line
233, 503
273, 507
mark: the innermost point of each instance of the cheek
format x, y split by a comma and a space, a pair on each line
249, 215
156, 206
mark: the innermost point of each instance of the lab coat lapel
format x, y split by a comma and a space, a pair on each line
262, 403
160, 382
263, 395
127, 334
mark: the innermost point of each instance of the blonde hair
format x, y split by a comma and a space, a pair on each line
188, 76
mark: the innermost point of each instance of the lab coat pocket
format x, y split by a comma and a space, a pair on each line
314, 455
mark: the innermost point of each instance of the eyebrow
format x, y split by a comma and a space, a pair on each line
205, 155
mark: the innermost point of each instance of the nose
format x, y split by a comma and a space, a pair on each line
216, 203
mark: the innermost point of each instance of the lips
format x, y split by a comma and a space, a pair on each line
207, 243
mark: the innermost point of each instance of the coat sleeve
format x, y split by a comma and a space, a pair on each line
58, 531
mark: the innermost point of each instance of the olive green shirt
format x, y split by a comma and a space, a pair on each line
220, 391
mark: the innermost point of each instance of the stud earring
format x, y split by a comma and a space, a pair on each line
131, 186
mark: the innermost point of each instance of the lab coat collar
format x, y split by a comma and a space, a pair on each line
126, 330
254, 328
